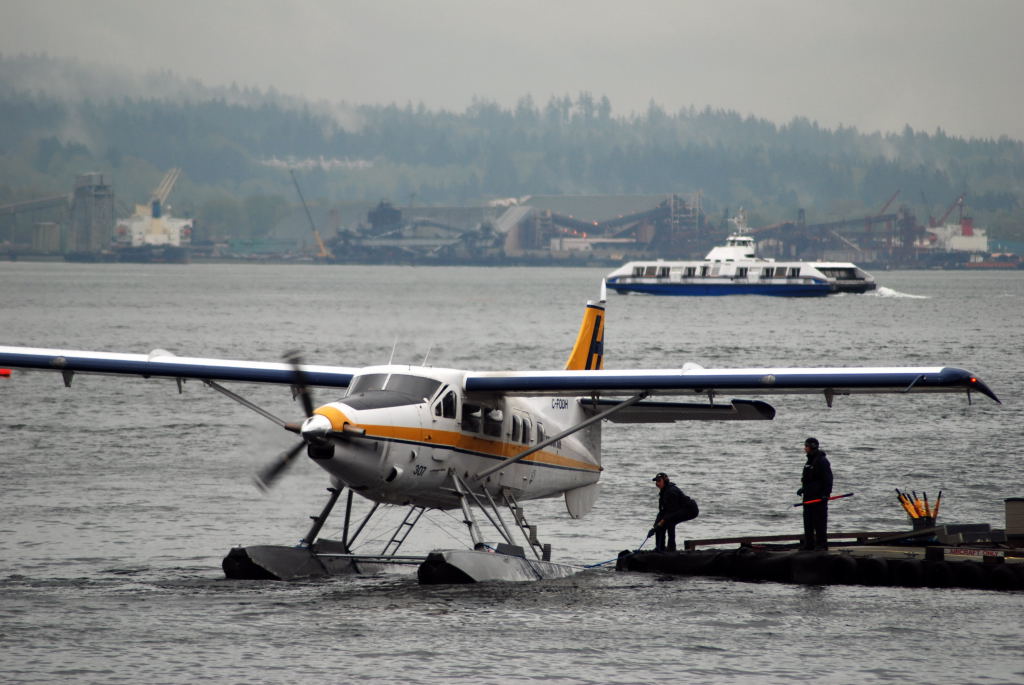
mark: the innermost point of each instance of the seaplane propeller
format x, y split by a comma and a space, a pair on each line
316, 431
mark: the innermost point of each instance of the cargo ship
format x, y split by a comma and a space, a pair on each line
152, 236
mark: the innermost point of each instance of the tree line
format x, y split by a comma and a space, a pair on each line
235, 146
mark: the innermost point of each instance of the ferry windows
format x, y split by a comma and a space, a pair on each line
703, 271
794, 272
768, 272
839, 273
638, 271
662, 272
650, 271
689, 272
741, 272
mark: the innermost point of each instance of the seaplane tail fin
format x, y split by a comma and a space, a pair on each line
588, 352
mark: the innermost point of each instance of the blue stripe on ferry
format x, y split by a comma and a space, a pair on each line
816, 289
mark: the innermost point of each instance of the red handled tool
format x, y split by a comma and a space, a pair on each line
823, 499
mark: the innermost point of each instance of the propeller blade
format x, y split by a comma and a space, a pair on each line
266, 476
301, 383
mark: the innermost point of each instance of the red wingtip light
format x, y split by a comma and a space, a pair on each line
5, 373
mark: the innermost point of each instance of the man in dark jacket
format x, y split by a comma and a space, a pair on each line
673, 507
816, 484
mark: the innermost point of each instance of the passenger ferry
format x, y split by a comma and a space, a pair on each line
735, 269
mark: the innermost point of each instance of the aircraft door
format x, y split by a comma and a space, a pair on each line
442, 422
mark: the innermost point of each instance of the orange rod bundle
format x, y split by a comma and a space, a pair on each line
908, 505
917, 504
918, 507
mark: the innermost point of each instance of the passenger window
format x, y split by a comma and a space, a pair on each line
493, 419
527, 431
662, 272
471, 418
690, 272
741, 272
517, 429
703, 271
769, 272
540, 432
794, 272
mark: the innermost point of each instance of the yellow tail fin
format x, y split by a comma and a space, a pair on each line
588, 352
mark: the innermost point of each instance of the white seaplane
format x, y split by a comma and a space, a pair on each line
435, 438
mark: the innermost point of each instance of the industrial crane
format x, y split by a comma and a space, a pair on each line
959, 202
324, 252
887, 203
162, 191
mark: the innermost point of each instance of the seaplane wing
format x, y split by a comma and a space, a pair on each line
163, 364
753, 381
678, 382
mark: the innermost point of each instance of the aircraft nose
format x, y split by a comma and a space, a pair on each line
315, 428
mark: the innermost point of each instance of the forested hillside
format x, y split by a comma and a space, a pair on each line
59, 119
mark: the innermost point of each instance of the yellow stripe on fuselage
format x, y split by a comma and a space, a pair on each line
430, 437
458, 441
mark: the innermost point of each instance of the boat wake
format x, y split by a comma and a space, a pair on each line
882, 291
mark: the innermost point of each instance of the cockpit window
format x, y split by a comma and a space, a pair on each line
377, 390
371, 381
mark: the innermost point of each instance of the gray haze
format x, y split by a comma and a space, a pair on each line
872, 64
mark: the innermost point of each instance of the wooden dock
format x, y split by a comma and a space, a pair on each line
967, 556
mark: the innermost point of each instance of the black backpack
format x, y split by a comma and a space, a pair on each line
690, 508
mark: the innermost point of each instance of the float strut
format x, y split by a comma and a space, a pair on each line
318, 521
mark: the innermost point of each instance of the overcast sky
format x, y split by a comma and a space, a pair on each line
873, 64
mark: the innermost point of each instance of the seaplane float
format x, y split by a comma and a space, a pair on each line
479, 442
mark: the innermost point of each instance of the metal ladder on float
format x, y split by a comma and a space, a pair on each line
402, 531
542, 551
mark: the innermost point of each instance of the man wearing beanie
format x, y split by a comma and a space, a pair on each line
816, 484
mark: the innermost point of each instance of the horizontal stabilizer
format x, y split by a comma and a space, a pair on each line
667, 412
